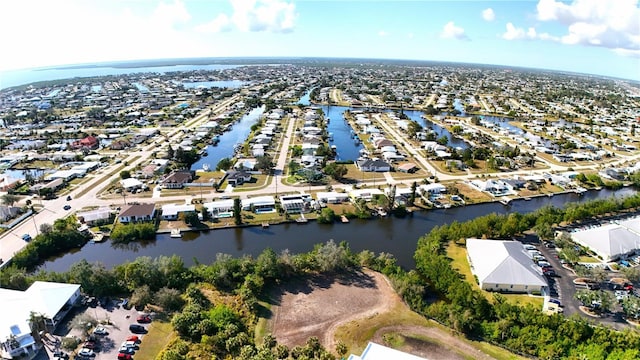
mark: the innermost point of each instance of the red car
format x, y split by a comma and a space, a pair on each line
89, 345
144, 319
133, 338
122, 356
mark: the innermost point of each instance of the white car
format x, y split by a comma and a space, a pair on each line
100, 331
86, 352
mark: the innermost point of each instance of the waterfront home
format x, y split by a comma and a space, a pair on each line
332, 197
504, 266
433, 188
245, 164
236, 178
172, 211
370, 165
50, 300
296, 203
260, 204
89, 142
94, 217
7, 183
365, 194
494, 187
137, 213
177, 179
220, 207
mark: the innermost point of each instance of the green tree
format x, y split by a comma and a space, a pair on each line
125, 174
224, 164
326, 216
169, 299
237, 211
10, 199
141, 296
336, 171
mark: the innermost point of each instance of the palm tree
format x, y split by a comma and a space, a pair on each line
10, 199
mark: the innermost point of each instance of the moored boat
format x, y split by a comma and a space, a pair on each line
175, 233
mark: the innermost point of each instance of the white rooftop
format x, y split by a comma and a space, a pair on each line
503, 262
375, 351
609, 240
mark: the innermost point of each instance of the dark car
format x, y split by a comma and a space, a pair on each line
137, 329
69, 198
67, 207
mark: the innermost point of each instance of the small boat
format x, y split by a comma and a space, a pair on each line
265, 225
344, 219
205, 167
302, 219
506, 201
527, 199
175, 233
98, 237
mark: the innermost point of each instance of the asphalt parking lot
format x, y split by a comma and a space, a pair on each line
107, 346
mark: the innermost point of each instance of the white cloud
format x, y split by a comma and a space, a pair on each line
451, 31
488, 14
219, 24
382, 33
263, 15
610, 24
516, 33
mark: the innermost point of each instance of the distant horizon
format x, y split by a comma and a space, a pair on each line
252, 60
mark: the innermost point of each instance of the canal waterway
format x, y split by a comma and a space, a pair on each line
453, 142
237, 134
397, 236
343, 135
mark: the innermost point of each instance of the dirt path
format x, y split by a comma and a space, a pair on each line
445, 346
388, 298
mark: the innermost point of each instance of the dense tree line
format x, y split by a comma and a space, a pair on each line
63, 238
124, 233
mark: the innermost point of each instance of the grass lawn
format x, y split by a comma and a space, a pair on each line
458, 254
495, 351
160, 334
588, 259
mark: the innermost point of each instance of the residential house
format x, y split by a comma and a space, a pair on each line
371, 165
177, 179
260, 204
8, 212
94, 217
220, 208
89, 142
236, 178
137, 213
332, 197
297, 203
172, 211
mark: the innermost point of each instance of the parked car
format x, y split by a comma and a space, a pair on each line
131, 344
555, 301
144, 319
60, 355
133, 338
126, 350
89, 345
137, 329
123, 356
86, 352
67, 207
100, 331
69, 198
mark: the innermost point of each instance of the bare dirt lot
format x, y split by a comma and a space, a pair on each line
320, 305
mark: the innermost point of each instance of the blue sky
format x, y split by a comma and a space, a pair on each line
589, 36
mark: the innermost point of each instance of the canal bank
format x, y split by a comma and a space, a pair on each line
397, 236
